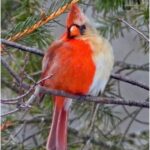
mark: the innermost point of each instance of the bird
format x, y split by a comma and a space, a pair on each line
80, 62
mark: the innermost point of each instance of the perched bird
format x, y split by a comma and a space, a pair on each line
80, 62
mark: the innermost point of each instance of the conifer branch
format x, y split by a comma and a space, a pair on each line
22, 47
41, 22
81, 98
133, 28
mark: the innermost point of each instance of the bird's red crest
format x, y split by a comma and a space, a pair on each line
75, 16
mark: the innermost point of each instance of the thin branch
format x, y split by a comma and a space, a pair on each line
93, 140
13, 74
121, 122
10, 112
90, 129
101, 100
25, 94
24, 106
34, 119
125, 65
80, 98
128, 80
84, 98
5, 64
137, 120
33, 134
10, 85
9, 102
22, 47
133, 28
129, 125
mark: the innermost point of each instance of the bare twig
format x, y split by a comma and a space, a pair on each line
102, 100
26, 105
28, 92
125, 65
4, 63
22, 47
129, 125
81, 98
10, 112
89, 132
128, 80
93, 140
9, 102
121, 122
10, 85
17, 78
137, 120
133, 28
85, 98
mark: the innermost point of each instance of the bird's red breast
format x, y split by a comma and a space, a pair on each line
70, 62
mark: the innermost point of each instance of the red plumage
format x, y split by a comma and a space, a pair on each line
80, 62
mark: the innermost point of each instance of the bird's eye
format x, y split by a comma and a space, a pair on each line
82, 29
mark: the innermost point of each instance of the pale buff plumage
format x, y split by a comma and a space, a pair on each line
102, 56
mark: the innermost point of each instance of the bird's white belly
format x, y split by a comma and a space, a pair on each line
104, 64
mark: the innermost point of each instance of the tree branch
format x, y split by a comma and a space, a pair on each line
22, 47
13, 74
128, 80
125, 65
101, 100
81, 98
10, 85
10, 112
5, 101
133, 28
44, 20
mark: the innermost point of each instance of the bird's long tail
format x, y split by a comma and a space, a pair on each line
57, 139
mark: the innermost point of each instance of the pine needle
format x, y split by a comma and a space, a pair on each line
41, 22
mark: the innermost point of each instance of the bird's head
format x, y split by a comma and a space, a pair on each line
77, 23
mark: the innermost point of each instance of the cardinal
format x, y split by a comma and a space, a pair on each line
80, 62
